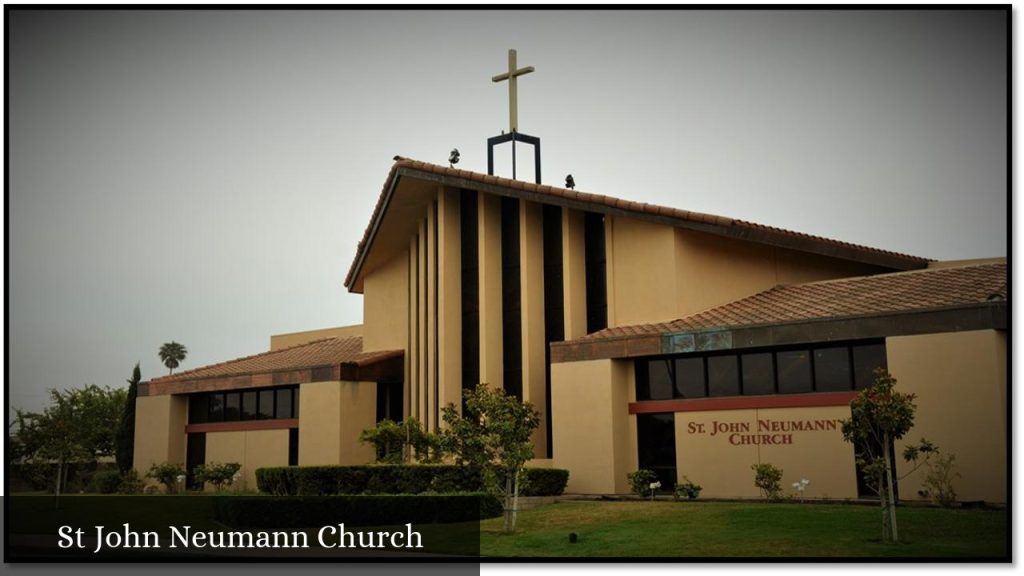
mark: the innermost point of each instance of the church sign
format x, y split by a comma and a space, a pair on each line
762, 431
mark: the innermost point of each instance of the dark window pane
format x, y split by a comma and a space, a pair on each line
660, 378
216, 407
249, 405
723, 376
284, 403
794, 370
758, 375
865, 360
232, 406
266, 404
295, 402
198, 408
832, 370
690, 378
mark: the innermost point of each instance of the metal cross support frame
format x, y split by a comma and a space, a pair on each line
514, 137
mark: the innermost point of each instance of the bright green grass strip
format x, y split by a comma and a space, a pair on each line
727, 529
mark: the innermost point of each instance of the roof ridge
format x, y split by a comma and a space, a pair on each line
171, 377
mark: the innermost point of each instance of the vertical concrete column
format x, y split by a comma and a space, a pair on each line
421, 295
597, 449
333, 415
449, 312
531, 279
320, 423
490, 290
412, 358
160, 437
431, 420
574, 278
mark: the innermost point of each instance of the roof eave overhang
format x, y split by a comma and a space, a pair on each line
518, 189
386, 368
980, 316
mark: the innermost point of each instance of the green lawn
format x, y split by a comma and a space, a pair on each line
733, 529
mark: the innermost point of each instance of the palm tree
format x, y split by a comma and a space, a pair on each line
172, 353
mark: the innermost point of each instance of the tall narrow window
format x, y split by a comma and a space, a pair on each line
469, 226
293, 447
597, 289
554, 306
511, 313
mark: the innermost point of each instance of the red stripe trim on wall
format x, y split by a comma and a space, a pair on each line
281, 424
743, 402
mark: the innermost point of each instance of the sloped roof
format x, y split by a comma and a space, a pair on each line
732, 227
316, 354
894, 292
934, 300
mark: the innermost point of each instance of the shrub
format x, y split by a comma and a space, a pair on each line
768, 479
106, 482
541, 481
640, 481
217, 473
939, 480
167, 474
131, 483
372, 479
687, 489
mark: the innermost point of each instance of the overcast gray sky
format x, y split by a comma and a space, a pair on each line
205, 176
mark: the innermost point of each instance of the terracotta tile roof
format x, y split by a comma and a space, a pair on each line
862, 295
319, 353
730, 226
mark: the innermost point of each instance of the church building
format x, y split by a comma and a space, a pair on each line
646, 337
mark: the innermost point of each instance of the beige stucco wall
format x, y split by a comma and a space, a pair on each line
531, 280
712, 270
591, 425
708, 453
386, 306
279, 341
332, 416
960, 382
160, 435
251, 448
641, 272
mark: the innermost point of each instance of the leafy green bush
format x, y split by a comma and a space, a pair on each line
217, 473
640, 481
768, 479
131, 483
372, 479
167, 474
939, 480
687, 489
105, 482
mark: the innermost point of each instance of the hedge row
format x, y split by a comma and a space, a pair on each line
543, 481
376, 479
353, 510
395, 479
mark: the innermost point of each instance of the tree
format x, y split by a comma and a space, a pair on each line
126, 430
79, 426
878, 416
172, 354
396, 442
493, 435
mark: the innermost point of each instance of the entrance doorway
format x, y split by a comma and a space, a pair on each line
656, 446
